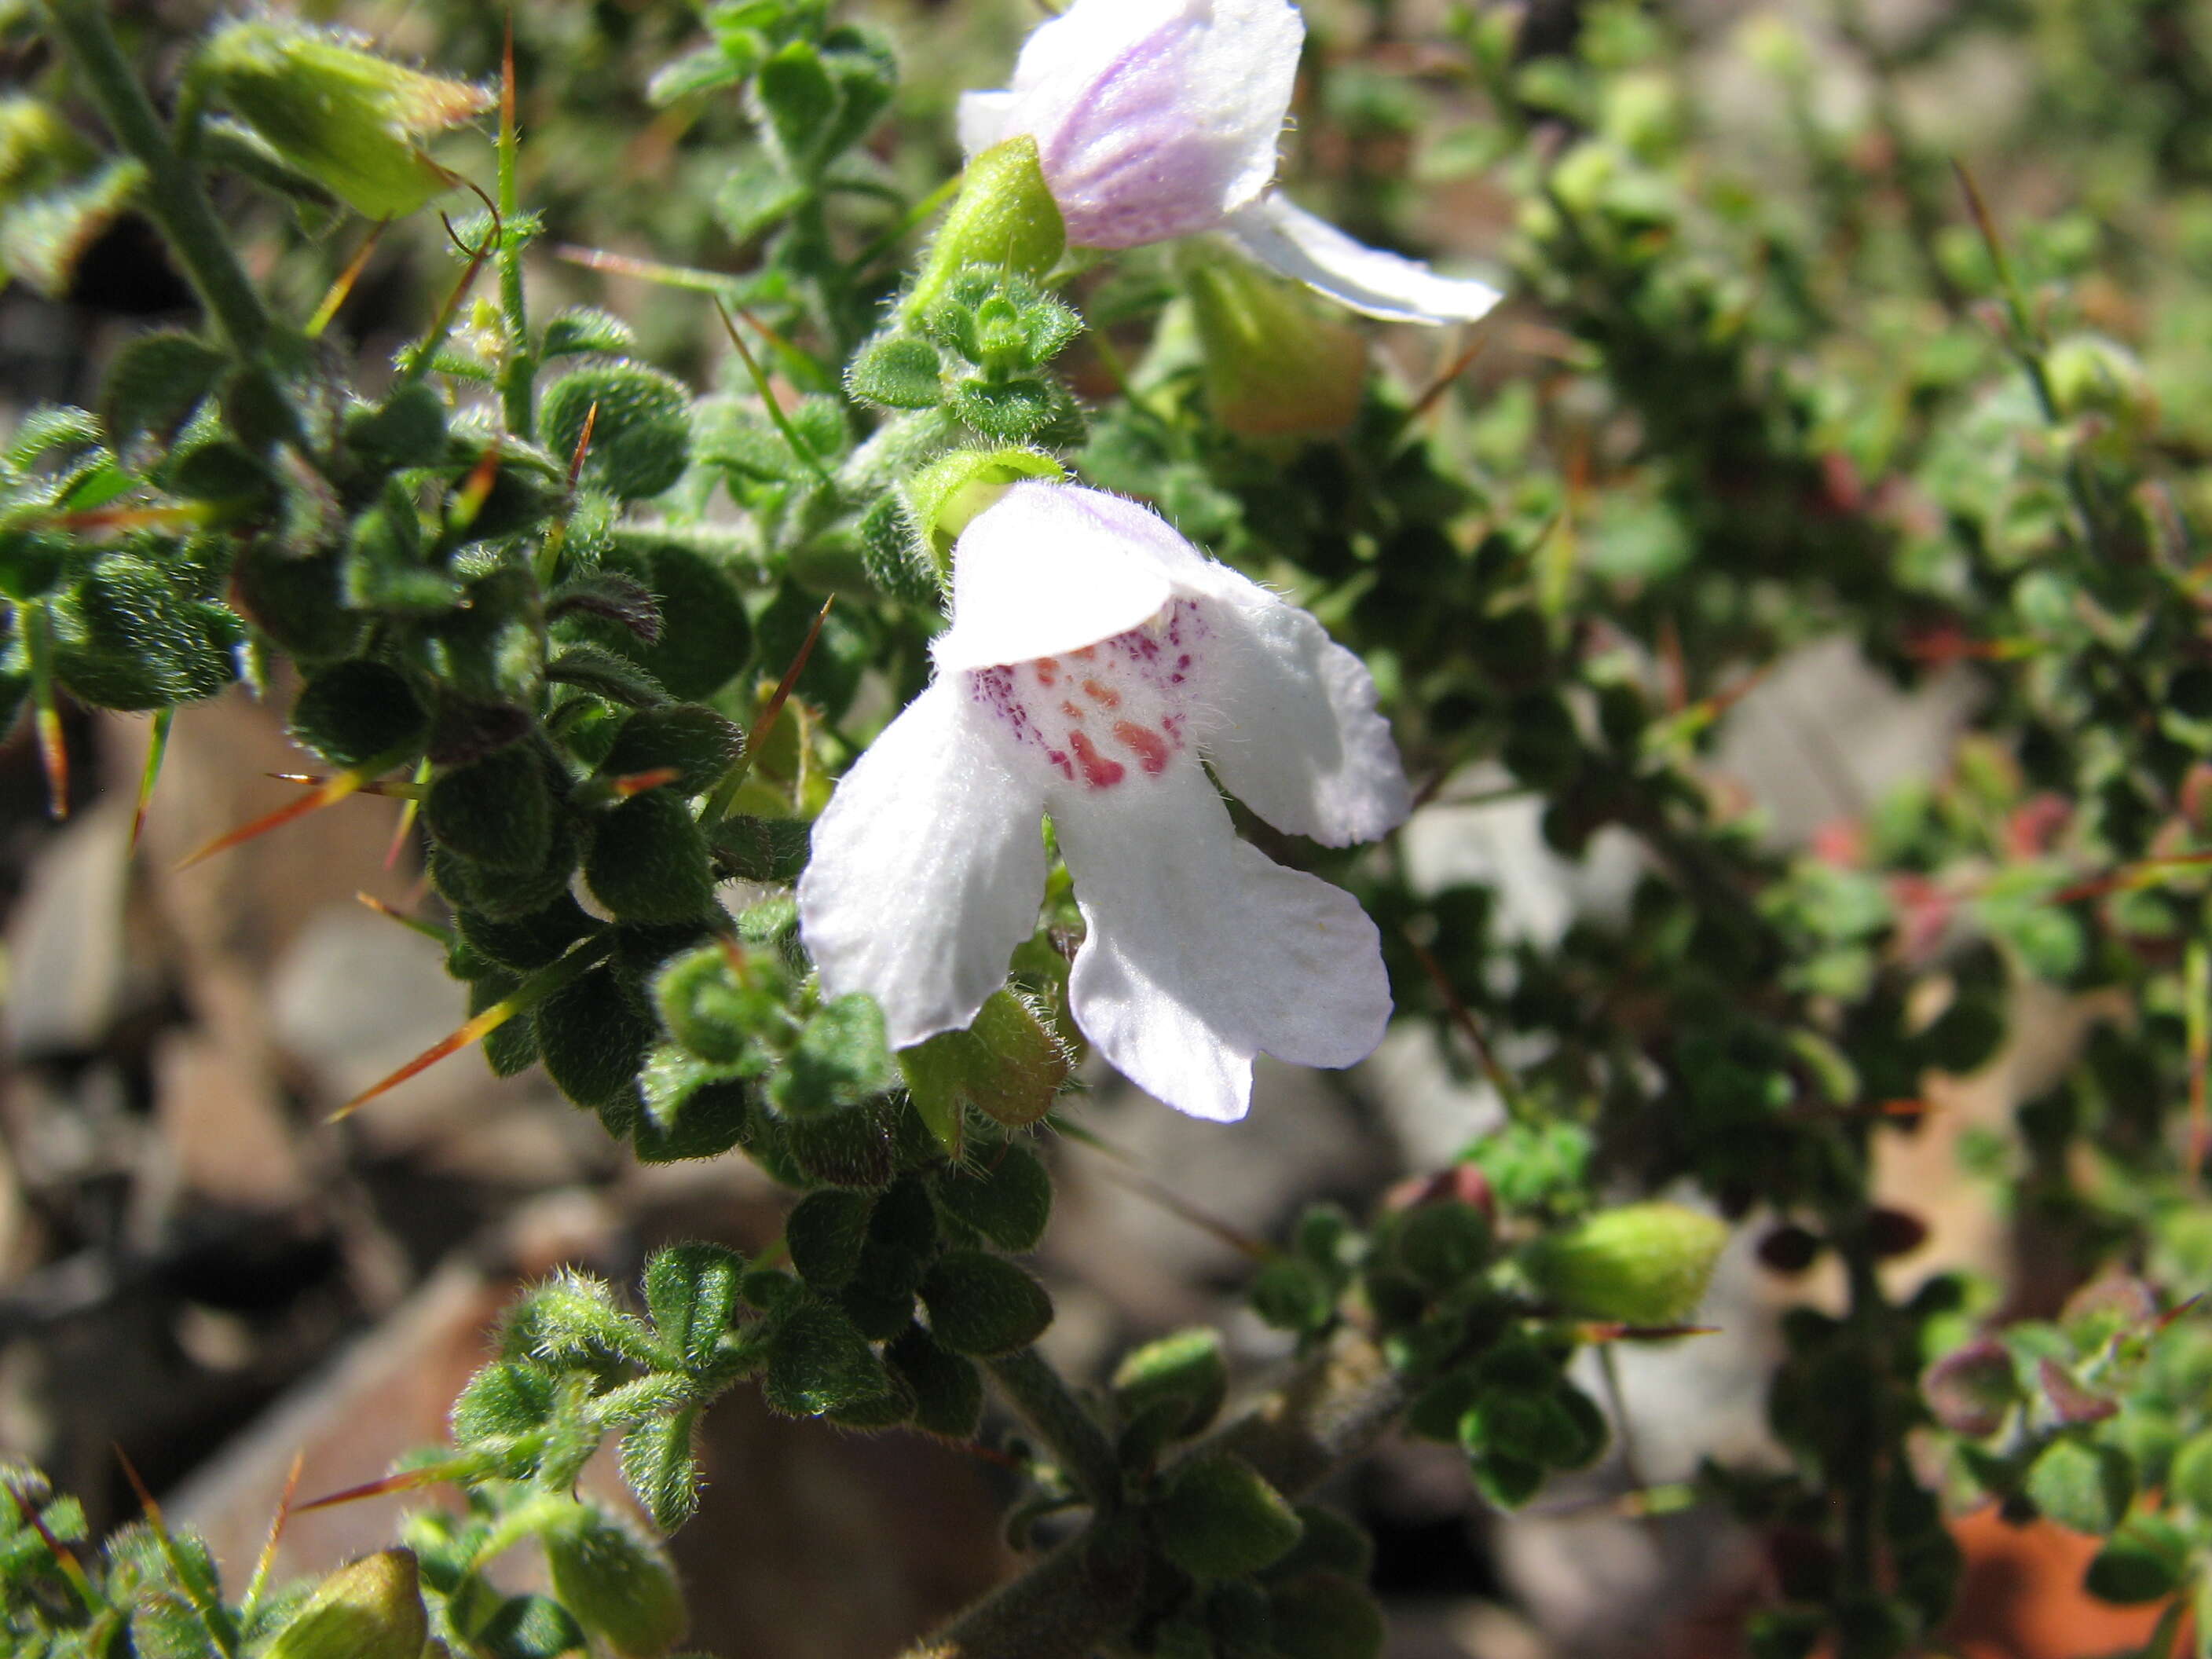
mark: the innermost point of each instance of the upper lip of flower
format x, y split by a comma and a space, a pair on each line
1159, 119
928, 867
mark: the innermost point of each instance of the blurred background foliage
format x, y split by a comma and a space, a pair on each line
1791, 605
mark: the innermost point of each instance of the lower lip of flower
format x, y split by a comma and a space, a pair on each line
1106, 713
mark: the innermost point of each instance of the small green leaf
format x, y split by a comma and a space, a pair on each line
354, 712
155, 384
497, 812
1325, 1615
691, 1291
648, 861
800, 100
1186, 1369
983, 1304
582, 331
1218, 1518
592, 1040
818, 1362
530, 1627
898, 371
657, 1465
641, 436
839, 1062
698, 743
761, 849
1007, 1198
44, 237
757, 194
2081, 1484
948, 1387
825, 1235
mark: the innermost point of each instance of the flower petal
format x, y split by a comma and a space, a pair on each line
1277, 232
1153, 118
984, 120
1051, 566
927, 869
1292, 727
1203, 952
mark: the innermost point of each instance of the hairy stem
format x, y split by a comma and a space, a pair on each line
1050, 1407
1333, 1408
518, 375
174, 197
1067, 1607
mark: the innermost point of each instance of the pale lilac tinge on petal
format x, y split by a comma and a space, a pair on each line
1202, 953
1155, 119
1290, 724
927, 869
1050, 568
1280, 233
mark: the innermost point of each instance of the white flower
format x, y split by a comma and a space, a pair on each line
1095, 657
1158, 118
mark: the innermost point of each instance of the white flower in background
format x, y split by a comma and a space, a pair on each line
1159, 119
1095, 659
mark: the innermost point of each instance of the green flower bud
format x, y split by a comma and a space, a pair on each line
341, 114
616, 1582
1276, 365
2090, 374
369, 1609
1004, 217
1218, 1518
1644, 1264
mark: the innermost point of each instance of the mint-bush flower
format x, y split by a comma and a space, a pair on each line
1159, 119
1094, 659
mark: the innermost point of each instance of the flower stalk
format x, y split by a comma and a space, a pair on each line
174, 196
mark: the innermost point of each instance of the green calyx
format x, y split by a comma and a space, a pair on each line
1004, 216
348, 118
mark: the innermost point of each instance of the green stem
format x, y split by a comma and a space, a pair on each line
1067, 1606
1051, 1409
519, 374
1083, 1595
173, 197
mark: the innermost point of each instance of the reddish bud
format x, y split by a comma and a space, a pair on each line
1891, 1233
1790, 1249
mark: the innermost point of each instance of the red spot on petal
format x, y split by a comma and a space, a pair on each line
1104, 694
1150, 748
1085, 655
1047, 671
1097, 771
1071, 709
